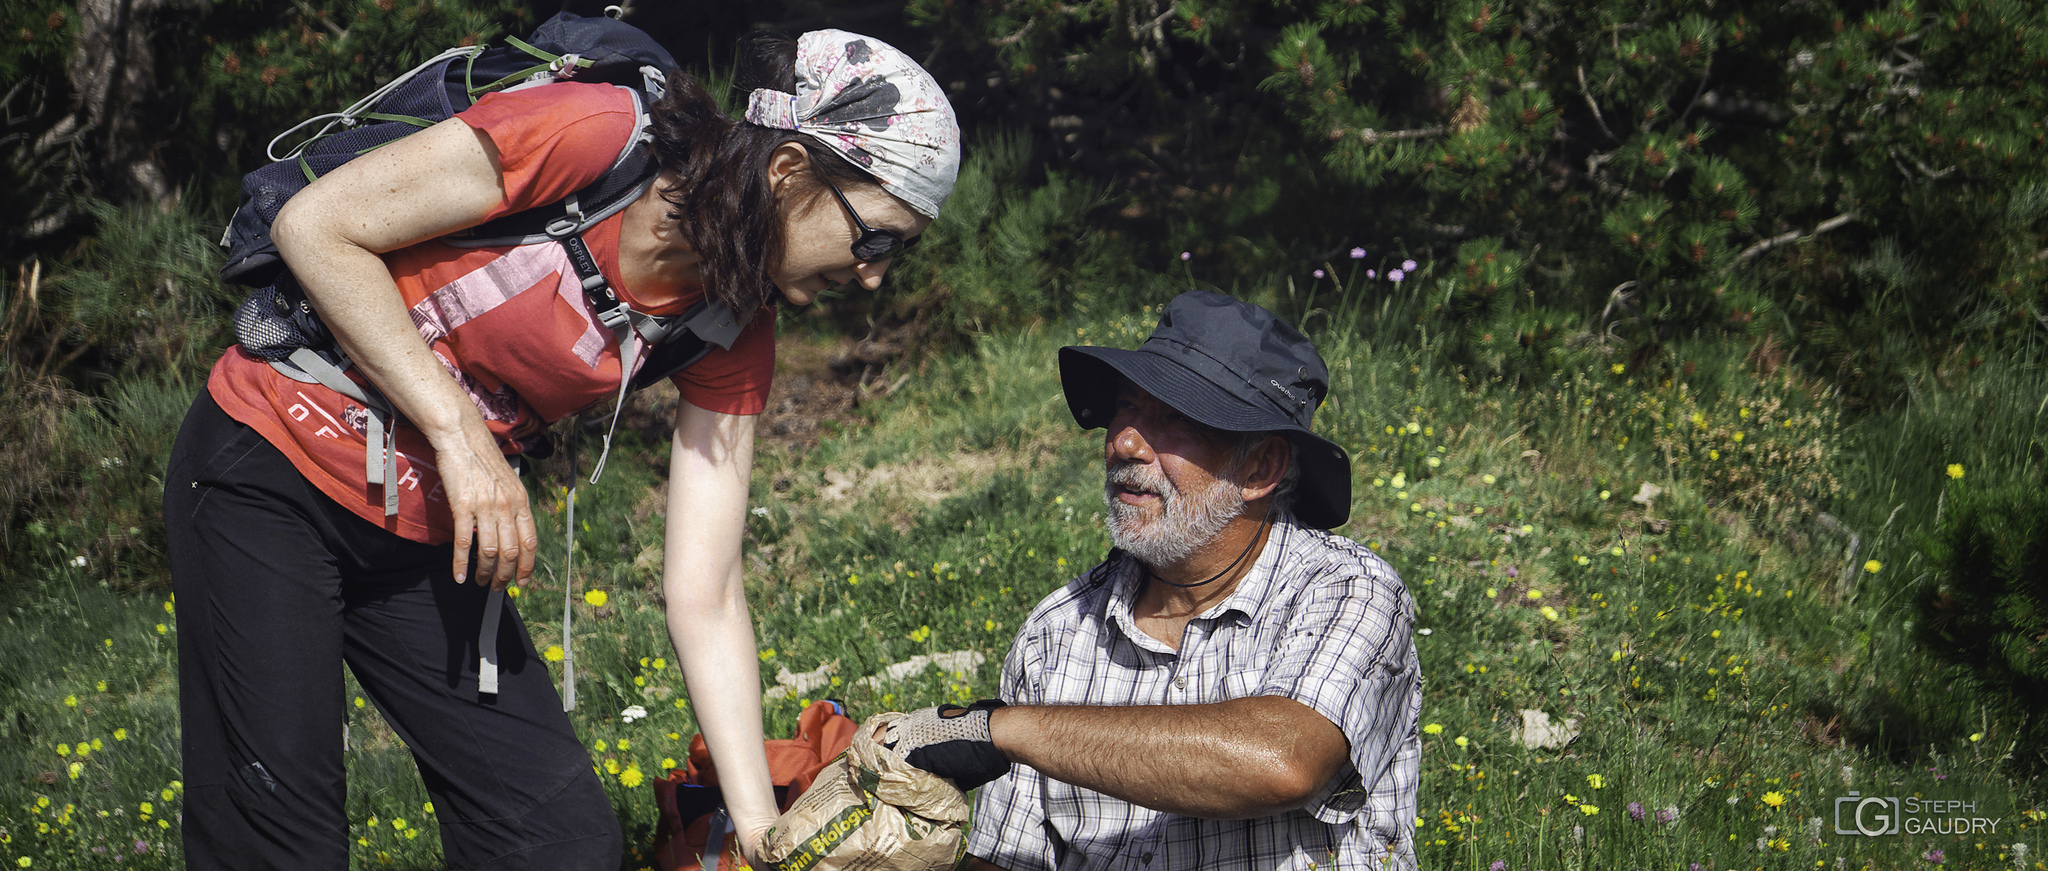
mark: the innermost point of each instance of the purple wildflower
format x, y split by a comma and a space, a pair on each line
1635, 810
1408, 265
1319, 273
1372, 273
1934, 856
1358, 253
1187, 255
1512, 572
1498, 864
1695, 867
1394, 275
1667, 814
141, 846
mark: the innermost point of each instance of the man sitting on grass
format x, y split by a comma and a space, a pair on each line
1234, 687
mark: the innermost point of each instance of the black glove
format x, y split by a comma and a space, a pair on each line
951, 742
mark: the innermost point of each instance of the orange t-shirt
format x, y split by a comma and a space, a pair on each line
511, 324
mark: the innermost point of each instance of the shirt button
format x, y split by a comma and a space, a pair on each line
1180, 683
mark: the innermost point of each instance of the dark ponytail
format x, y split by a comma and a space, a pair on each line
721, 200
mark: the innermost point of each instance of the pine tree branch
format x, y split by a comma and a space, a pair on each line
308, 11
1155, 24
1931, 173
1587, 92
1374, 137
1697, 93
1014, 38
1752, 251
1593, 163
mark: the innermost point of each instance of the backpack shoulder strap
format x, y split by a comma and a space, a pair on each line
628, 178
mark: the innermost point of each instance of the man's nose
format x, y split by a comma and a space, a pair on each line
1126, 443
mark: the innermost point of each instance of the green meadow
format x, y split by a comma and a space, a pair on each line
1656, 558
1693, 359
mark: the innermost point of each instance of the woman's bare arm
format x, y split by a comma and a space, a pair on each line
332, 234
710, 462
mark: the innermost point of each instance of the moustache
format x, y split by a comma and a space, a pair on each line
1141, 479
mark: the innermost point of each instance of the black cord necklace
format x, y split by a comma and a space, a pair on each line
1263, 523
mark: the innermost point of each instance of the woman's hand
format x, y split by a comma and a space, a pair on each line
754, 841
491, 509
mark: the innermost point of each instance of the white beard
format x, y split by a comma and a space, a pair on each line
1188, 521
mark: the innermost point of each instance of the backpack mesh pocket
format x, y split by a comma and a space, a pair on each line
274, 321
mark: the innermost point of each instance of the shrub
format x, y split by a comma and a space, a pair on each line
1984, 605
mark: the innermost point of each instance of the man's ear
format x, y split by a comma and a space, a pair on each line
1264, 470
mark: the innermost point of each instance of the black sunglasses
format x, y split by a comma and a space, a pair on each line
872, 245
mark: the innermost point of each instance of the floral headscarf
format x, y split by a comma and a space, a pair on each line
877, 108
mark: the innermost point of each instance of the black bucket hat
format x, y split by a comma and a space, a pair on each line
1232, 366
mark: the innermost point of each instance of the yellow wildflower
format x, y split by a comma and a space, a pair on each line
596, 598
1955, 470
553, 653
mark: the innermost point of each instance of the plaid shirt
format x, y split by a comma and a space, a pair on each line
1319, 619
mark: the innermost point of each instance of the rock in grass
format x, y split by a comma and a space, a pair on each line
1538, 732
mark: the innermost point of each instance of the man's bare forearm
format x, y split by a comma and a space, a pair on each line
1240, 759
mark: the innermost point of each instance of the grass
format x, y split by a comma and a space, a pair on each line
1637, 547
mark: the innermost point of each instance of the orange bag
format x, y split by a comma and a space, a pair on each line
693, 824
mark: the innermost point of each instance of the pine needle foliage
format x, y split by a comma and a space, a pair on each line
1850, 178
1013, 247
256, 67
1985, 607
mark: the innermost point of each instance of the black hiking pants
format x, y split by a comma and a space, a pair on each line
277, 588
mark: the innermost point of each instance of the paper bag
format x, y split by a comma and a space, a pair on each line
870, 810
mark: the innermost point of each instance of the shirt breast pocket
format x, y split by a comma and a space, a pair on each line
1245, 669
